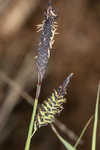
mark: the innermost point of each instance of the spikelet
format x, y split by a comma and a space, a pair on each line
48, 30
52, 106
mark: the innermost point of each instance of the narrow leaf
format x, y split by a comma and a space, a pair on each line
67, 145
95, 121
83, 132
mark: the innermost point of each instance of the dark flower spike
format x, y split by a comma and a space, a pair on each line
62, 88
48, 30
52, 106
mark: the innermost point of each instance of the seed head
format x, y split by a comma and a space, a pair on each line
48, 29
52, 106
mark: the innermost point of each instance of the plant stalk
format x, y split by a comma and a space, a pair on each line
29, 137
31, 125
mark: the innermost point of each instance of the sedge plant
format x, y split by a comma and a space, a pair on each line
46, 113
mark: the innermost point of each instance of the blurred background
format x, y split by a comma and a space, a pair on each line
76, 49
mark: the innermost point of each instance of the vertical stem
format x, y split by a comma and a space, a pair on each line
29, 137
30, 132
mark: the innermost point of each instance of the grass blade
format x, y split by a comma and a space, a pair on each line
83, 132
67, 145
95, 121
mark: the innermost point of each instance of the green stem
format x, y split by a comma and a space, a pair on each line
31, 126
29, 137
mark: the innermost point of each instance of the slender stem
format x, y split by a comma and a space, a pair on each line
30, 132
95, 120
29, 137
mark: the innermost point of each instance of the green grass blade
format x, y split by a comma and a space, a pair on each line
83, 132
67, 145
95, 121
